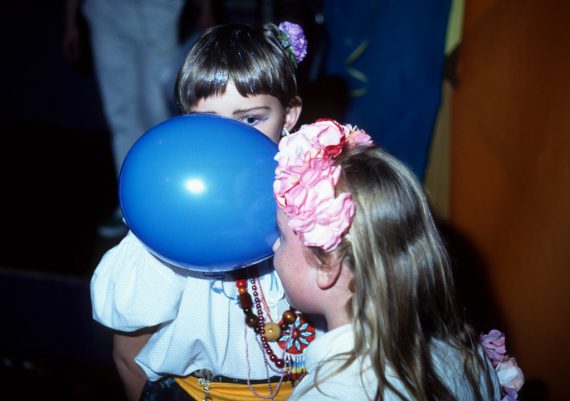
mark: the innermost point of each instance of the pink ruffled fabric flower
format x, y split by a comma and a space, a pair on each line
297, 41
494, 346
306, 178
510, 375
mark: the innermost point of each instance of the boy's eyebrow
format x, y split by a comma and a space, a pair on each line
252, 109
202, 112
235, 112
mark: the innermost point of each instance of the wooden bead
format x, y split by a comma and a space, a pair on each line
289, 316
251, 320
245, 301
272, 331
242, 290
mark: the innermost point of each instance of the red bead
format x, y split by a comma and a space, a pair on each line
245, 301
273, 358
279, 363
241, 283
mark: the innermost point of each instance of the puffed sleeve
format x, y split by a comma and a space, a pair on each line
132, 289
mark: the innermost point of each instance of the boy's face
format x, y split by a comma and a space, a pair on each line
294, 270
264, 112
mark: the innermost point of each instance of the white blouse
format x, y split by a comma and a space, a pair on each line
350, 385
201, 325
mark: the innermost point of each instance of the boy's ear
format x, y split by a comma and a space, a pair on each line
292, 113
327, 276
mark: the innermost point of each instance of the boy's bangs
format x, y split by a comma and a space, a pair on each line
208, 85
259, 76
251, 83
249, 79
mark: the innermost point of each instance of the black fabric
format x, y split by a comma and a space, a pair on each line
165, 389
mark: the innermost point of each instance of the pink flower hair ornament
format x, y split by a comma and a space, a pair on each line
306, 178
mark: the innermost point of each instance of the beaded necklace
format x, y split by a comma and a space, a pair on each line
293, 333
268, 332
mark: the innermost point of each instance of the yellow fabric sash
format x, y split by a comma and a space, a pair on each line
232, 392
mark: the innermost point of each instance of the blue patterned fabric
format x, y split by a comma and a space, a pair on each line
391, 54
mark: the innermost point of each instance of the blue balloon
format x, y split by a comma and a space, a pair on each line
197, 190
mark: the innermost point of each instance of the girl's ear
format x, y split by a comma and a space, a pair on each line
327, 276
292, 113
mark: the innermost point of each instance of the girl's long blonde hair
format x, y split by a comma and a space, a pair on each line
403, 291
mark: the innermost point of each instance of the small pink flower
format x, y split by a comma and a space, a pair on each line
510, 375
358, 137
494, 346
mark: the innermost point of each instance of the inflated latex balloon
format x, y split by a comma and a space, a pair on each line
197, 190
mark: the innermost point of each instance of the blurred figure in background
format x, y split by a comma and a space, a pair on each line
134, 46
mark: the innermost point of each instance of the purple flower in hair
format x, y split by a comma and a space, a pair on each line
297, 42
494, 346
510, 376
510, 394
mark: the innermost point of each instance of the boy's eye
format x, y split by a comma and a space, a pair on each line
250, 120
